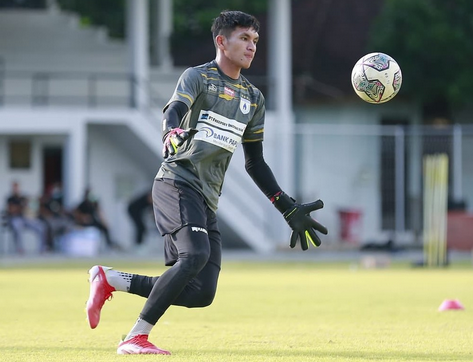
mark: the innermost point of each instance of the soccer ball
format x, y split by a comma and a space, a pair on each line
376, 78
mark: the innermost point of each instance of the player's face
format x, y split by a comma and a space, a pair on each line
240, 47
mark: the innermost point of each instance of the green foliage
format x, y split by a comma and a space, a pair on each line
191, 18
432, 41
195, 17
107, 13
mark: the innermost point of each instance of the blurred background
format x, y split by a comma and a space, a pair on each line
83, 82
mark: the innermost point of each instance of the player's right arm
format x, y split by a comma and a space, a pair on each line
173, 135
187, 89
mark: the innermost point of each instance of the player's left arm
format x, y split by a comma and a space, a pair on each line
296, 215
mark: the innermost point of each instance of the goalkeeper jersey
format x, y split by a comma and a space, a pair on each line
226, 112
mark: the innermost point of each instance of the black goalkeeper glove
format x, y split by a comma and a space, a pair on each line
298, 217
174, 139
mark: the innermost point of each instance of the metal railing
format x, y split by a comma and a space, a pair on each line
379, 171
82, 89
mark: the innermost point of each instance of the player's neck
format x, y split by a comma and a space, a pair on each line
227, 67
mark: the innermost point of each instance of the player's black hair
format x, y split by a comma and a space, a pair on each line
229, 20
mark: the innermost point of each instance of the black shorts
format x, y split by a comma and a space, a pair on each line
177, 205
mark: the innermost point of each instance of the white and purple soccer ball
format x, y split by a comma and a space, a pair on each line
376, 78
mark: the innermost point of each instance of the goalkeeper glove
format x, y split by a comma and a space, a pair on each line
174, 139
298, 217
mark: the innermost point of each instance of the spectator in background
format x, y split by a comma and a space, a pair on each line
53, 214
137, 209
88, 213
18, 220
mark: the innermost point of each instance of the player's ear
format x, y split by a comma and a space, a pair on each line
219, 41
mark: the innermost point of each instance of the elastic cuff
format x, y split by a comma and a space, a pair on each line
275, 197
283, 202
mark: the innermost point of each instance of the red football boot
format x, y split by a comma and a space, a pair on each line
100, 291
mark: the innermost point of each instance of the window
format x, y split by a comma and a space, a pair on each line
20, 154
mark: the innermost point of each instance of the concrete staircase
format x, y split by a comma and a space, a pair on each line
51, 40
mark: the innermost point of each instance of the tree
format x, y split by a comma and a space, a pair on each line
107, 13
191, 18
431, 40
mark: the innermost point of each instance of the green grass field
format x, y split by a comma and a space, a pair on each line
296, 311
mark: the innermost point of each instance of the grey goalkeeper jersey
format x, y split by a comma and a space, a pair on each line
226, 112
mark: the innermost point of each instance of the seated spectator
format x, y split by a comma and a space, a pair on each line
18, 220
88, 213
53, 214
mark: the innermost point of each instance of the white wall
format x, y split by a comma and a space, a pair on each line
115, 177
339, 161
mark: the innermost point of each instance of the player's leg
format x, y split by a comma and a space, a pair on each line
181, 213
178, 209
194, 251
200, 291
197, 293
177, 286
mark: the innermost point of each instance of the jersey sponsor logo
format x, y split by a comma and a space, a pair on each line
208, 131
212, 88
219, 130
245, 105
198, 229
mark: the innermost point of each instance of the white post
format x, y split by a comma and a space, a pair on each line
163, 33
457, 191
279, 131
399, 188
138, 41
280, 89
75, 164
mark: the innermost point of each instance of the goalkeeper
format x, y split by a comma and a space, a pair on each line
213, 109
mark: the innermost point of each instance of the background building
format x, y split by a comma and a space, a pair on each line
82, 109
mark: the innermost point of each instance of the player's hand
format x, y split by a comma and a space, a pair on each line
298, 217
174, 139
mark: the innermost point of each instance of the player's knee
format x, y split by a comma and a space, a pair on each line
194, 261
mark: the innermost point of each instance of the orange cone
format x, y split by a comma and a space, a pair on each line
451, 304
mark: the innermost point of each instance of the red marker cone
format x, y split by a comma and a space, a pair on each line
451, 304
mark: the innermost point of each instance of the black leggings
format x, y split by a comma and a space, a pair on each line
191, 282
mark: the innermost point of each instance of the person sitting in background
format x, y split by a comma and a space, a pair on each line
17, 220
53, 214
137, 209
88, 213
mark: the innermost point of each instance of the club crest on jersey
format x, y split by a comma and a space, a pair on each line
245, 106
212, 88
